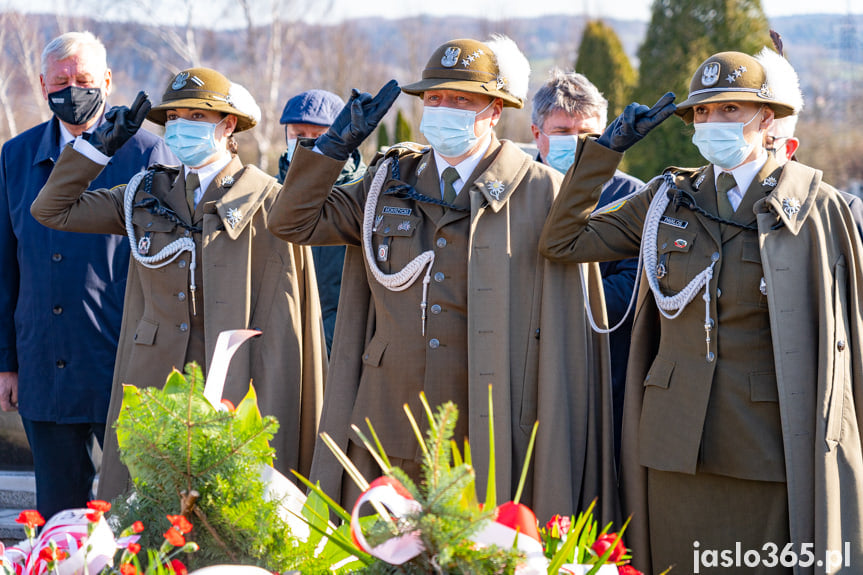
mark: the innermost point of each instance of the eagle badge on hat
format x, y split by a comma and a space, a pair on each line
710, 74
766, 92
495, 188
180, 80
234, 216
450, 57
790, 206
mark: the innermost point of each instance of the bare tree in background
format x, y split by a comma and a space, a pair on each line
7, 74
26, 45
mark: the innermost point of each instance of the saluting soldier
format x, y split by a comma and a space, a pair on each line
203, 260
444, 290
740, 420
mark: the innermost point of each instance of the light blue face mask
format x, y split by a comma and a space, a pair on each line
192, 142
722, 143
292, 146
450, 131
561, 151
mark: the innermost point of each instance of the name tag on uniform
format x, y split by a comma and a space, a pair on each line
397, 211
674, 222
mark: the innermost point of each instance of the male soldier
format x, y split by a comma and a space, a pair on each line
61, 297
309, 115
565, 107
463, 218
740, 422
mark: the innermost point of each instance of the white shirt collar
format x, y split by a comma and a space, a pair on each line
743, 175
464, 168
206, 174
66, 136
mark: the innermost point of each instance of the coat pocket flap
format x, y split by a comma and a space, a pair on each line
751, 252
374, 352
151, 223
393, 225
146, 332
660, 373
762, 387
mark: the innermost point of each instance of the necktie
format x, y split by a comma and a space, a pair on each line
449, 176
192, 183
724, 183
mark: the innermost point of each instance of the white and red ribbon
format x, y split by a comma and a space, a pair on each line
392, 495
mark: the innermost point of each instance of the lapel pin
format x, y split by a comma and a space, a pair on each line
234, 216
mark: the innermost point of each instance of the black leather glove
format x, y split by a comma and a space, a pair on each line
121, 123
356, 121
635, 122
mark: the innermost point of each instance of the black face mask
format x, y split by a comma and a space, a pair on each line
75, 105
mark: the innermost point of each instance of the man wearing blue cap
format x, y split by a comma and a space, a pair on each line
308, 115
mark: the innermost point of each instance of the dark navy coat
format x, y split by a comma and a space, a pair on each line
61, 293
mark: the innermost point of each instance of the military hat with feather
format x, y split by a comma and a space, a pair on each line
495, 68
732, 77
206, 89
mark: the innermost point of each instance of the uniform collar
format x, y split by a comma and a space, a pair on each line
792, 190
49, 143
500, 179
242, 191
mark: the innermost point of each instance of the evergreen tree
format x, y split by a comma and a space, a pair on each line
403, 129
682, 34
601, 58
383, 136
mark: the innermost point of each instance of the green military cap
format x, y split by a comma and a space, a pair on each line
497, 69
206, 89
731, 77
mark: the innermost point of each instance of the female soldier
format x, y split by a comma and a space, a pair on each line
740, 437
203, 260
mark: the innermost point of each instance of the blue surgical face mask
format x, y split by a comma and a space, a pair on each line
722, 143
192, 142
561, 151
292, 146
450, 131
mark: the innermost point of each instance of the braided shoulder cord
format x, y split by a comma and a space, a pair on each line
405, 278
168, 253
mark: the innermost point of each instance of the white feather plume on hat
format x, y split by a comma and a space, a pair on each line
243, 101
512, 65
782, 79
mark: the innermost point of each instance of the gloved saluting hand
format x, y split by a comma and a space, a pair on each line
121, 123
635, 122
356, 121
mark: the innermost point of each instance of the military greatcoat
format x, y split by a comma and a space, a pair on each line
246, 279
497, 314
776, 402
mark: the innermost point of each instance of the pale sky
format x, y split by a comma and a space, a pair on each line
495, 9
622, 9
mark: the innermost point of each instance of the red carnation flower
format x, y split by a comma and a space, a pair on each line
133, 548
628, 570
180, 523
30, 518
562, 523
137, 527
128, 569
175, 538
52, 554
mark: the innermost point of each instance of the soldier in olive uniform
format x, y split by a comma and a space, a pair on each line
740, 425
444, 290
203, 260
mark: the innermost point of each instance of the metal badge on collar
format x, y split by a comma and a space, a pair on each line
450, 57
699, 181
770, 181
180, 81
790, 206
710, 74
422, 168
495, 188
227, 182
234, 216
763, 287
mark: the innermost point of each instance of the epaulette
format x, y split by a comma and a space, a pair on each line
163, 168
401, 149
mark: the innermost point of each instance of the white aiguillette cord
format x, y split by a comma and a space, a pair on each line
669, 306
226, 346
168, 253
405, 278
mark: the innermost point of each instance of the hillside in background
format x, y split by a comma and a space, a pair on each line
365, 53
